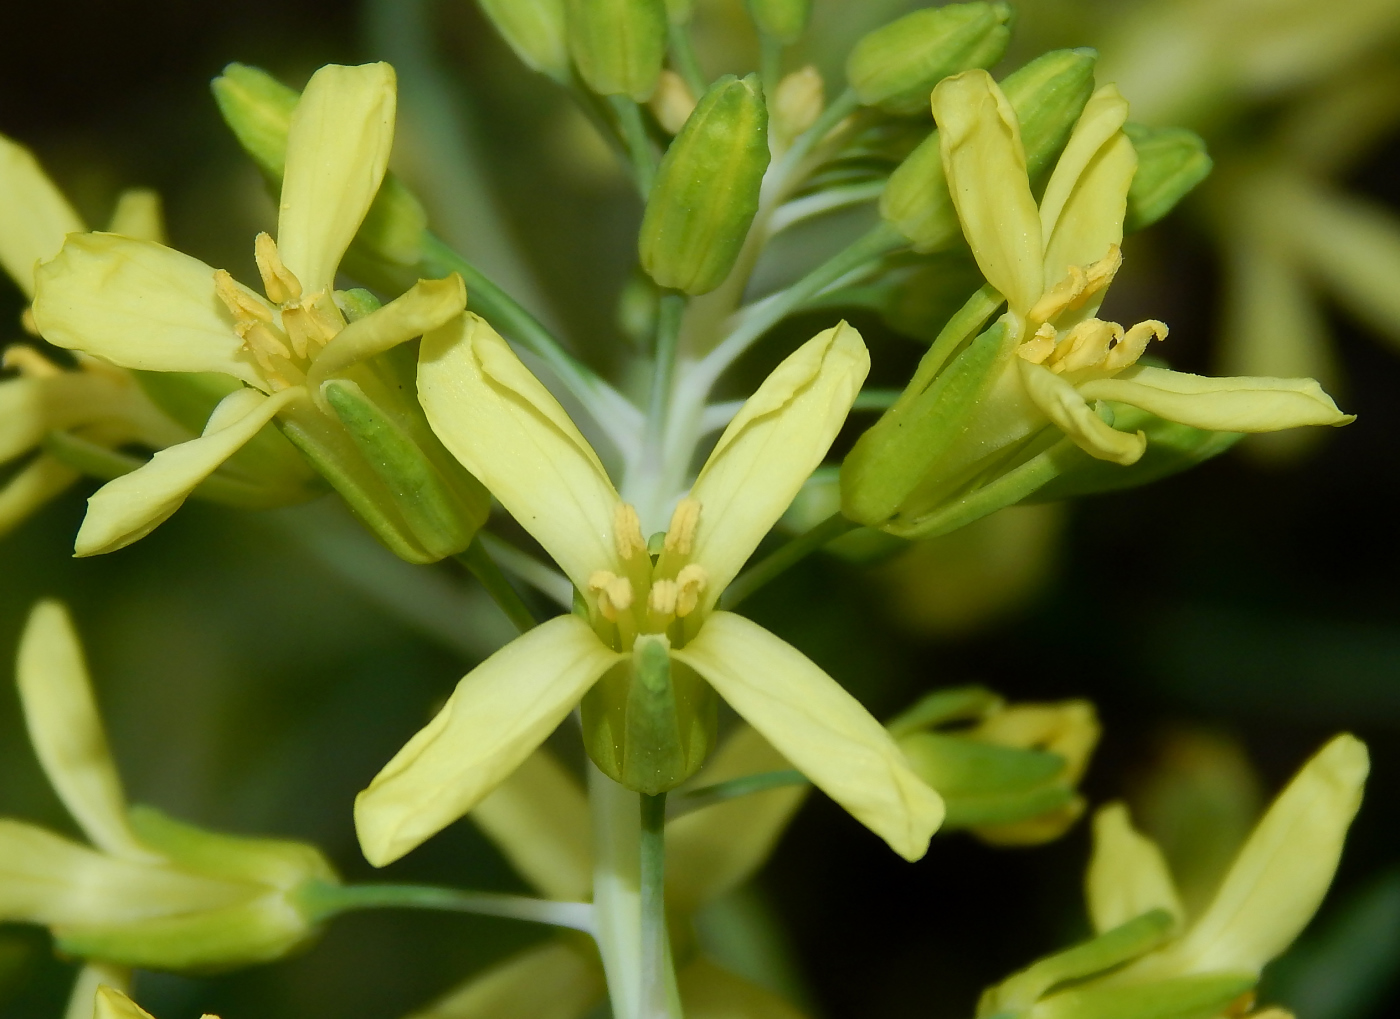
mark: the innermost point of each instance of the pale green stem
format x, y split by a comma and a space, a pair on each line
748, 785
485, 569
840, 108
770, 61
616, 814
323, 900
684, 59
641, 154
789, 555
660, 996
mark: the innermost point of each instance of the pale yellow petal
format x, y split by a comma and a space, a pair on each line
112, 1003
819, 727
49, 880
133, 505
82, 1000
138, 214
712, 992
337, 151
1081, 212
31, 487
425, 306
506, 428
555, 980
985, 165
1128, 875
715, 849
139, 305
771, 448
538, 818
32, 407
1284, 869
500, 712
1225, 405
1067, 409
66, 730
34, 215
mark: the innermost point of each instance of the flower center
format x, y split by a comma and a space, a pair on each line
648, 593
282, 344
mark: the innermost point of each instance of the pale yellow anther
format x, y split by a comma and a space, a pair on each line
614, 593
1100, 274
1059, 297
1086, 345
1040, 346
243, 307
680, 536
280, 285
627, 531
662, 600
1134, 343
690, 584
29, 362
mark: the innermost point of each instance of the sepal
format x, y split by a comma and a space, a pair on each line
1171, 161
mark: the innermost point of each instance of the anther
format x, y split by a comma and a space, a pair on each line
690, 584
243, 305
280, 285
1040, 346
680, 536
662, 600
1087, 344
614, 593
627, 531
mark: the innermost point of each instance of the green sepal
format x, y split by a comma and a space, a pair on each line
896, 66
443, 517
535, 30
276, 863
1206, 996
649, 724
356, 303
1047, 94
941, 707
1017, 993
258, 109
986, 783
618, 45
707, 187
898, 452
1171, 449
783, 20
1171, 161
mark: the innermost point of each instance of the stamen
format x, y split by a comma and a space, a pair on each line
662, 600
1040, 346
1059, 297
614, 593
1087, 344
627, 531
680, 536
29, 362
280, 285
1134, 343
690, 584
243, 305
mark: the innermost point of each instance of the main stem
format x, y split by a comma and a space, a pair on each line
660, 998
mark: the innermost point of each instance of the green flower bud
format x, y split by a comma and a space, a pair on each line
895, 66
1048, 94
618, 45
535, 30
706, 191
650, 722
1171, 161
784, 20
258, 109
262, 920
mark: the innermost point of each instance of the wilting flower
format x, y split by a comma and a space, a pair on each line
1207, 965
538, 818
148, 890
142, 305
648, 649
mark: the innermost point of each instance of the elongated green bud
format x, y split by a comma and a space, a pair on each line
650, 722
706, 191
784, 20
535, 30
896, 66
1048, 94
618, 45
1171, 161
258, 109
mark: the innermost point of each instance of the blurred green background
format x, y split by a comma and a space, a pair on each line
257, 670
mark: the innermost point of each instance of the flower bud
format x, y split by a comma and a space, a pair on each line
1171, 161
535, 30
798, 102
650, 722
783, 20
1048, 94
618, 45
706, 191
895, 66
258, 109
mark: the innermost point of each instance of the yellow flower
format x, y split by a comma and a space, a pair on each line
1212, 961
148, 891
142, 305
648, 607
538, 818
